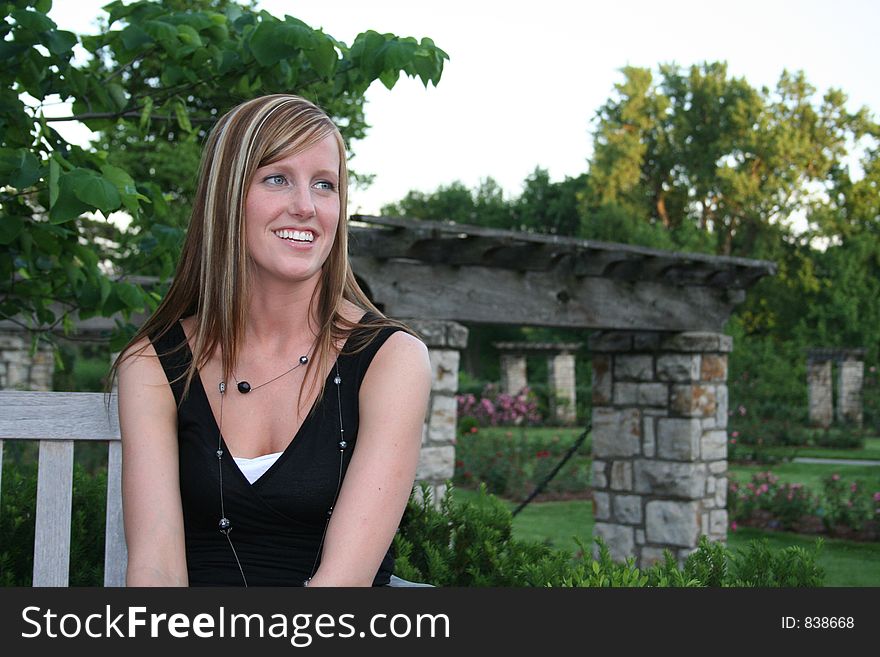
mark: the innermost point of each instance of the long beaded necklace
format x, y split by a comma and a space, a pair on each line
225, 525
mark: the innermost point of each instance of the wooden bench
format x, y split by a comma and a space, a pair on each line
57, 420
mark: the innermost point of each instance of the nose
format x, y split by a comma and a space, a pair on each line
301, 203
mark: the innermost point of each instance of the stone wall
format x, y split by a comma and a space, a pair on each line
19, 370
445, 341
659, 441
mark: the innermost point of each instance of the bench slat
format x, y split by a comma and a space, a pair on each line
1, 468
115, 553
57, 416
54, 498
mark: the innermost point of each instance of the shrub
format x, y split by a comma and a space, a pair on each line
786, 502
511, 463
495, 408
18, 519
839, 438
471, 544
849, 504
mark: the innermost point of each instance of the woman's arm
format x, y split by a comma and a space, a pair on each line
393, 400
150, 480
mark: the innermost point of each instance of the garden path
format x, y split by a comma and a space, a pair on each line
809, 459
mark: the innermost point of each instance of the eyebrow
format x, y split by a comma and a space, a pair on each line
281, 167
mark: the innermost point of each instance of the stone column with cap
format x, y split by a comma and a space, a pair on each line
659, 441
561, 375
445, 341
513, 372
850, 376
821, 401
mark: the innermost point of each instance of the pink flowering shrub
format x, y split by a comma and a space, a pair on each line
841, 504
849, 504
494, 408
787, 503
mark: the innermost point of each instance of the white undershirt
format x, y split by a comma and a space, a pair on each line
254, 468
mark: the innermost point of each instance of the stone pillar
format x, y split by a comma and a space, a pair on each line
659, 441
445, 341
850, 374
561, 375
19, 370
819, 390
513, 373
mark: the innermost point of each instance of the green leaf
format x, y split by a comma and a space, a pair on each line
134, 37
323, 56
145, 113
54, 173
117, 93
264, 44
60, 41
25, 168
98, 192
105, 288
162, 32
28, 172
129, 295
182, 116
10, 227
189, 36
229, 59
389, 78
119, 177
81, 190
126, 187
33, 21
11, 49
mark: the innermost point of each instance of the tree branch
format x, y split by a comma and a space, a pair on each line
125, 114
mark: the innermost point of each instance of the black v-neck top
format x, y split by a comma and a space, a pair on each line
278, 521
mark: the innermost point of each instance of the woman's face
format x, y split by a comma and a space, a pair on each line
292, 212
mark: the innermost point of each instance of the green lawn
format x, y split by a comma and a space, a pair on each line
811, 474
846, 563
871, 451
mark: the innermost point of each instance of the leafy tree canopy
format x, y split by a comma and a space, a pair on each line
158, 76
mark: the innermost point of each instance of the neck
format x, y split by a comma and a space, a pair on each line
279, 318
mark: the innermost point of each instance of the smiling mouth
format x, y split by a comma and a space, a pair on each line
301, 236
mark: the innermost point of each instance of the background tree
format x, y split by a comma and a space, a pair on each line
158, 77
696, 160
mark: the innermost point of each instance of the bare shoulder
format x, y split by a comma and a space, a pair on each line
402, 354
141, 373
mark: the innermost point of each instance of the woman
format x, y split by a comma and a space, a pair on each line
271, 416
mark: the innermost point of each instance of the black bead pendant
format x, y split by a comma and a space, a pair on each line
303, 360
225, 525
244, 387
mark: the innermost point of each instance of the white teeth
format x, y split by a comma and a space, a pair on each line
295, 235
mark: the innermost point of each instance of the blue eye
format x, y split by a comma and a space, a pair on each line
326, 185
275, 179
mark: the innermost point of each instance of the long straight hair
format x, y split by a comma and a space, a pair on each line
213, 275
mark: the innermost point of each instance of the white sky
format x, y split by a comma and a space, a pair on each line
525, 78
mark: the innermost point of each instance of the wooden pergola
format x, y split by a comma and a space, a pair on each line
448, 271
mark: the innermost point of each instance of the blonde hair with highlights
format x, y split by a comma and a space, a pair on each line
212, 277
